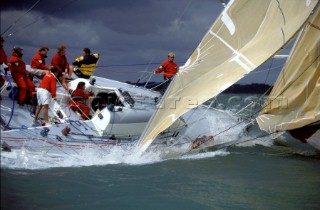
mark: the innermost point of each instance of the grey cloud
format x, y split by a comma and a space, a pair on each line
123, 32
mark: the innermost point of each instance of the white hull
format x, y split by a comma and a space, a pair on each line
84, 136
131, 109
125, 119
120, 126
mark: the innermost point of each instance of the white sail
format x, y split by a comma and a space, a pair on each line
294, 101
245, 35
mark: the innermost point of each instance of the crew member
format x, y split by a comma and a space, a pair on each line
21, 76
45, 92
86, 64
78, 105
60, 61
38, 62
3, 60
168, 67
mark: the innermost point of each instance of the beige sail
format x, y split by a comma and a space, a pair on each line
245, 35
294, 101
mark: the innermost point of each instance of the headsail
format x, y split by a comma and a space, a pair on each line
245, 35
294, 101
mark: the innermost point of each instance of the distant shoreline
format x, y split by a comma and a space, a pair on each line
236, 88
251, 88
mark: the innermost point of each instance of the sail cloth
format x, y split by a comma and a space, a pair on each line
245, 35
294, 102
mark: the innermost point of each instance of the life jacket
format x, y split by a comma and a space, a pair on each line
86, 64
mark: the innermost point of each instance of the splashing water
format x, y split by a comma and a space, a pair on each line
225, 129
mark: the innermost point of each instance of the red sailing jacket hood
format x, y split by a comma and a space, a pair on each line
17, 65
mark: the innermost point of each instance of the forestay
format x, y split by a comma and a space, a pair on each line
294, 101
245, 35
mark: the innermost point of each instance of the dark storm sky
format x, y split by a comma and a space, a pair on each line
124, 32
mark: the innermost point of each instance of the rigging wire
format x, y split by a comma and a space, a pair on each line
269, 70
16, 21
151, 63
284, 90
256, 112
298, 75
37, 19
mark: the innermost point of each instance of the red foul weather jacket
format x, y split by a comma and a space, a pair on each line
17, 67
38, 62
60, 62
3, 56
169, 68
81, 93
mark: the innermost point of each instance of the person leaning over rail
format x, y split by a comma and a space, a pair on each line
38, 62
86, 64
169, 69
46, 91
21, 76
77, 98
65, 70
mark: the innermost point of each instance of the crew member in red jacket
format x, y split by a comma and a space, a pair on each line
46, 91
38, 62
168, 67
60, 61
77, 105
3, 55
20, 76
3, 60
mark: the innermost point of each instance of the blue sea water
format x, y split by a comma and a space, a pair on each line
242, 178
246, 176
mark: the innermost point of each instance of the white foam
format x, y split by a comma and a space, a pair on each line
204, 155
23, 159
223, 127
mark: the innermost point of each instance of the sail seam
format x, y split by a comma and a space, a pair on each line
239, 55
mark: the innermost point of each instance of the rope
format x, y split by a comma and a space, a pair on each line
78, 108
314, 26
90, 136
269, 70
146, 72
36, 136
159, 85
